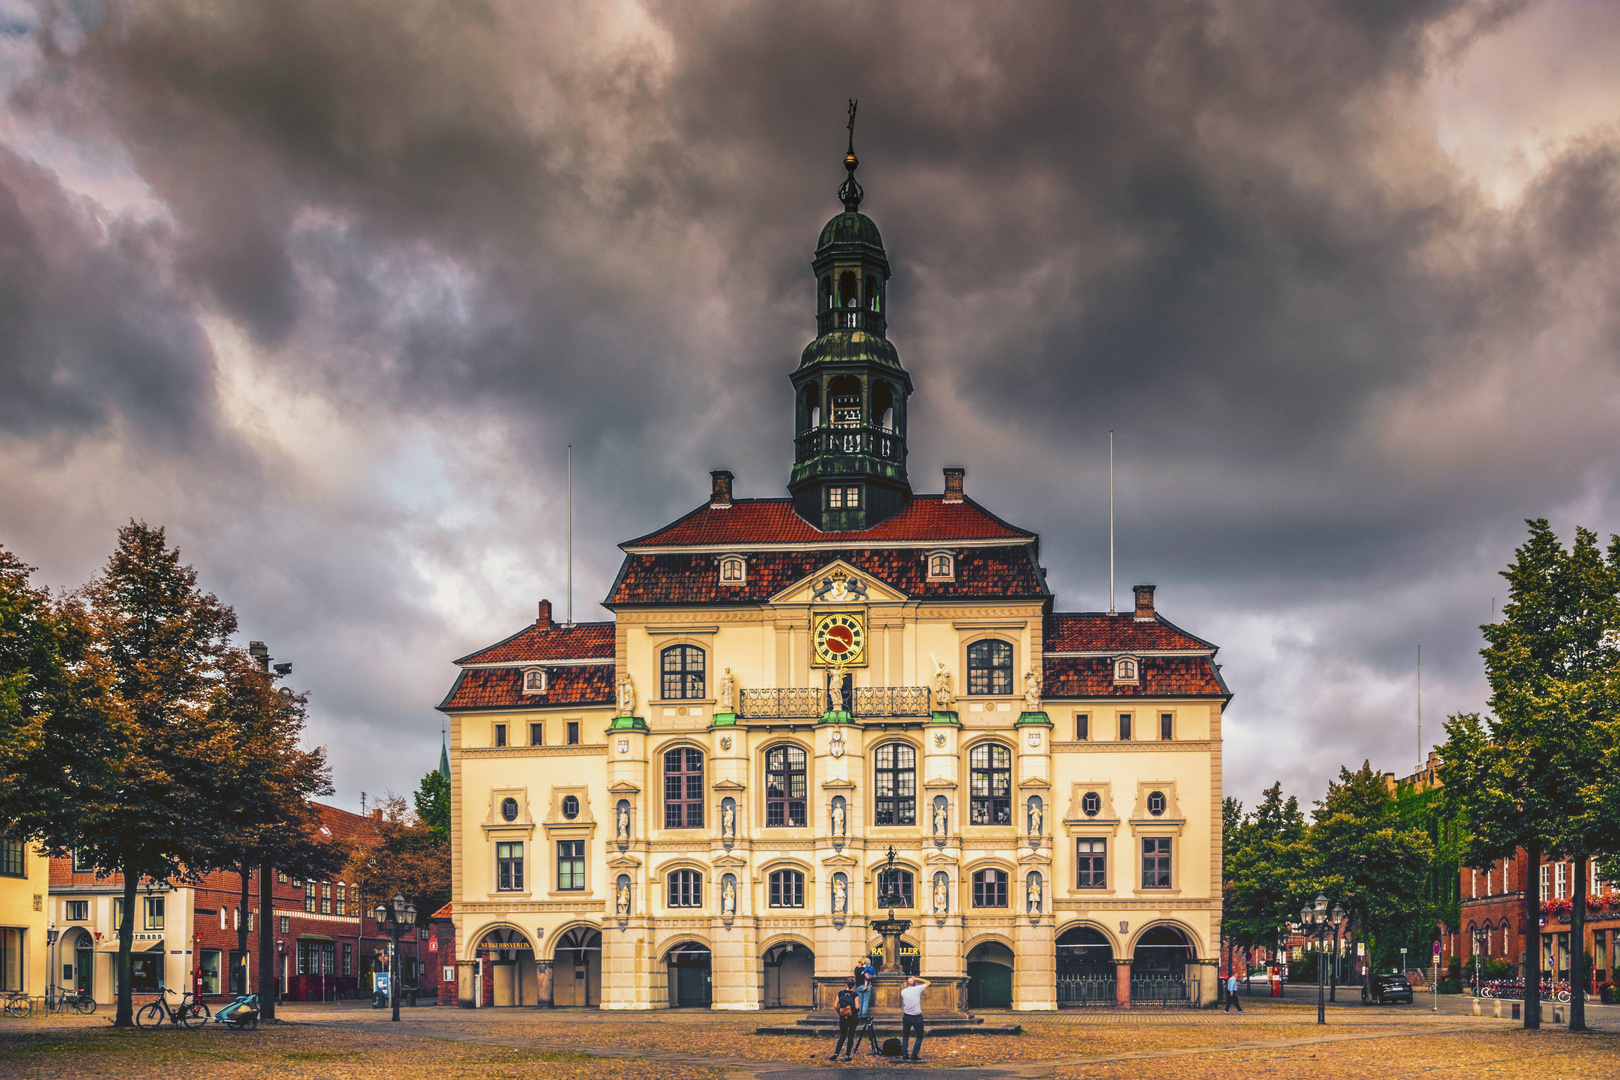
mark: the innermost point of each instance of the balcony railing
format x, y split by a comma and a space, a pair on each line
796, 702
874, 322
871, 441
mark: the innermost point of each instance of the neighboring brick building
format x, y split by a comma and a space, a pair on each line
186, 933
1493, 916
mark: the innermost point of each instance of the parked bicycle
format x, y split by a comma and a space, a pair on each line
79, 1001
19, 1004
188, 1014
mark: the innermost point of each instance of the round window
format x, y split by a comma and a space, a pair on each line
509, 809
570, 807
1156, 803
1091, 803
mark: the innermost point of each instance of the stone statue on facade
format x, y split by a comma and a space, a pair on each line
942, 687
1032, 690
728, 821
835, 690
839, 896
624, 900
728, 692
941, 819
627, 696
1035, 819
838, 819
624, 823
1035, 893
728, 899
942, 896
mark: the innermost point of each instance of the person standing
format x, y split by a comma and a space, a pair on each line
864, 975
1232, 990
911, 1018
849, 1009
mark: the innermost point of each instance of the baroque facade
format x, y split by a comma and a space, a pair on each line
809, 712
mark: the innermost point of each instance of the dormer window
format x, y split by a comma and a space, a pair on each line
534, 680
941, 566
1127, 670
733, 570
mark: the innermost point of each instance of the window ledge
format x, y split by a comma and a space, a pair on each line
563, 893
502, 894
1156, 892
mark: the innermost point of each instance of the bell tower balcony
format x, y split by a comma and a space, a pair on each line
873, 322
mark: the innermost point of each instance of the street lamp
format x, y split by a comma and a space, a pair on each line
1282, 952
51, 935
1320, 923
393, 920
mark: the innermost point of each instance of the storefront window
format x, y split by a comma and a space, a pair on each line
208, 966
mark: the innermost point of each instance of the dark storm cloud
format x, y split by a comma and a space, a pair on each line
1339, 374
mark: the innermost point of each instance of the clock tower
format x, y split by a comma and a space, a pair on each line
849, 459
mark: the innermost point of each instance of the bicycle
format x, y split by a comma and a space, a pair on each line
19, 1004
79, 1000
187, 1014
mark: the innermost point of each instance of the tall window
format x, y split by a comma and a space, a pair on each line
896, 785
154, 913
1091, 858
537, 734
1559, 879
12, 862
683, 789
787, 888
685, 889
1082, 726
326, 898
990, 784
1125, 726
500, 734
1156, 862
785, 786
989, 667
990, 888
1167, 725
509, 866
899, 885
348, 959
682, 668
342, 899
570, 865
309, 896
573, 733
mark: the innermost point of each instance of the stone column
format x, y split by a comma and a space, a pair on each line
1035, 967
465, 972
543, 980
1122, 983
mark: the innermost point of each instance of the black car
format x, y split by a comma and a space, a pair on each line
1386, 988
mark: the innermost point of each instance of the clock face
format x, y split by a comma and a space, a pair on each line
839, 639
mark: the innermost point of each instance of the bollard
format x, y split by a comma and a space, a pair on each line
1476, 1007
1498, 1012
1515, 1010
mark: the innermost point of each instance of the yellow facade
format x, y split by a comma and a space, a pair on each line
24, 885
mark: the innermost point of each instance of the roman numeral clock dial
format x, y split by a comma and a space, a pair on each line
839, 638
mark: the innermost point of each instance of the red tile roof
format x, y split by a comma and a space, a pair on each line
772, 521
502, 688
1088, 631
695, 579
582, 641
343, 827
1162, 676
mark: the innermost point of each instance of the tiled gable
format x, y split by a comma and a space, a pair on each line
502, 688
1161, 676
772, 521
539, 641
1098, 631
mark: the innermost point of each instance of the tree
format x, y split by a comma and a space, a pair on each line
411, 857
1532, 776
33, 641
433, 803
1365, 857
1265, 868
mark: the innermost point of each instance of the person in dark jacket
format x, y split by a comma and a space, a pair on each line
849, 1014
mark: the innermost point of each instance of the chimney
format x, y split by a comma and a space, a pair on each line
1144, 602
953, 485
720, 493
376, 815
543, 619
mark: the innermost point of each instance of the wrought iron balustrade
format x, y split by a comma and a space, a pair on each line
872, 441
1163, 990
891, 701
789, 702
1087, 990
874, 322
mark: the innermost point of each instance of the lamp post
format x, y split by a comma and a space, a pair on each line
51, 935
392, 919
1319, 923
1478, 938
1282, 952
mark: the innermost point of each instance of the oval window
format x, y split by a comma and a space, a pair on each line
1156, 803
509, 809
570, 807
1091, 803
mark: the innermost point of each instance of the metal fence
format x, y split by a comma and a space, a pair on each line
1163, 990
891, 701
1080, 991
782, 703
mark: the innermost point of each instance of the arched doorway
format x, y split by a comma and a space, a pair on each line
990, 976
576, 970
508, 964
1085, 969
82, 947
1159, 967
790, 976
690, 982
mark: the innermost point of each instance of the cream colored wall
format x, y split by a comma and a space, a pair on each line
19, 898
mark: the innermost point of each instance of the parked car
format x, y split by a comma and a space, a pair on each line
1387, 988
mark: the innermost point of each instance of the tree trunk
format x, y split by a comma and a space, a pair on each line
1532, 934
1577, 951
124, 1016
1366, 969
244, 874
267, 944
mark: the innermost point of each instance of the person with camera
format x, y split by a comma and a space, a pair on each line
849, 1015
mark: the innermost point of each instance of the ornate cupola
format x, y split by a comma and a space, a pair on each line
849, 460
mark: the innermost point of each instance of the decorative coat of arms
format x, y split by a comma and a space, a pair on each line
835, 744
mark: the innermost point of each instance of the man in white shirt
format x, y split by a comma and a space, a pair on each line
911, 1018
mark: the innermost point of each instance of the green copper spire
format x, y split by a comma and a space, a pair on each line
444, 756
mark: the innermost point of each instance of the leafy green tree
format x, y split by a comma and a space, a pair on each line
1263, 870
1365, 858
36, 644
1533, 776
432, 800
411, 857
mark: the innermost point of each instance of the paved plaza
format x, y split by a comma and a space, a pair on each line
355, 1042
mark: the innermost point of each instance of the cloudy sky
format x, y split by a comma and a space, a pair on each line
327, 288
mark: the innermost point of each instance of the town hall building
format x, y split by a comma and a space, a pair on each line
856, 704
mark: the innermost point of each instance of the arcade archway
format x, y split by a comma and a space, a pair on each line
1159, 967
576, 969
507, 958
790, 976
691, 981
1085, 969
990, 976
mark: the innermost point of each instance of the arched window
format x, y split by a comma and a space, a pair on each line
786, 888
871, 293
534, 680
849, 290
683, 671
812, 408
990, 785
683, 788
941, 566
733, 570
826, 293
686, 889
785, 786
1125, 669
895, 785
896, 888
989, 667
990, 888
